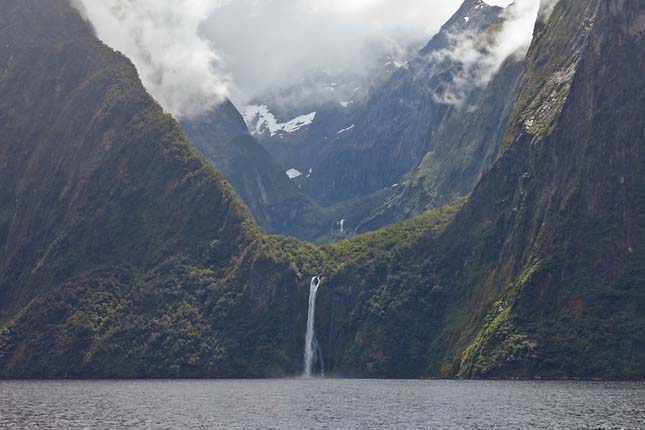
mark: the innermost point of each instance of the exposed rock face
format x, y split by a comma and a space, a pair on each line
466, 144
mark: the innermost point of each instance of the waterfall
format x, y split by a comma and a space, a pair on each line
342, 226
311, 346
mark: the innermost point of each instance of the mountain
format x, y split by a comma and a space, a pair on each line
540, 273
276, 202
223, 123
293, 122
104, 202
558, 219
396, 154
394, 131
125, 254
466, 144
295, 143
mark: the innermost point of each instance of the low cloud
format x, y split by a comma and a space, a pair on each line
481, 56
275, 45
180, 68
191, 54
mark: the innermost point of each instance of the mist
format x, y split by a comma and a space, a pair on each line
270, 45
178, 66
482, 57
192, 54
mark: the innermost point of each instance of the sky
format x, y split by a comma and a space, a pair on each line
191, 54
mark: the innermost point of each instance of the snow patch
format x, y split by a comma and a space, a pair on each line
260, 120
294, 173
397, 64
351, 127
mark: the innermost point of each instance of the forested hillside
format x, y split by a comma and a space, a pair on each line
124, 254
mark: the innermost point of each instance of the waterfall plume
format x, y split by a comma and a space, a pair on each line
311, 346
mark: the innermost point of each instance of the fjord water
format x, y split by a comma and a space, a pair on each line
321, 404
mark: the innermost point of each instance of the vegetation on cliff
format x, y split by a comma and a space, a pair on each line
124, 254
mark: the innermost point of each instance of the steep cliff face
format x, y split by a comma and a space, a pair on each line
466, 144
552, 239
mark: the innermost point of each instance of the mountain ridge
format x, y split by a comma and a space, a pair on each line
440, 166
538, 273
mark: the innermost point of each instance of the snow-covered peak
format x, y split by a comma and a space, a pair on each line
260, 120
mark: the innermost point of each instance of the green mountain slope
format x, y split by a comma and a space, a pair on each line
100, 189
541, 273
562, 240
125, 255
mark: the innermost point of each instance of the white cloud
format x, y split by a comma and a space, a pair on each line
193, 53
272, 44
179, 68
481, 58
502, 3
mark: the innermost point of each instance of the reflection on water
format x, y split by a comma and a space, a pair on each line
321, 404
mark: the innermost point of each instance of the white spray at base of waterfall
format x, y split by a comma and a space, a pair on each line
310, 338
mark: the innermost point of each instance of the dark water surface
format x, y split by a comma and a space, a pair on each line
300, 404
